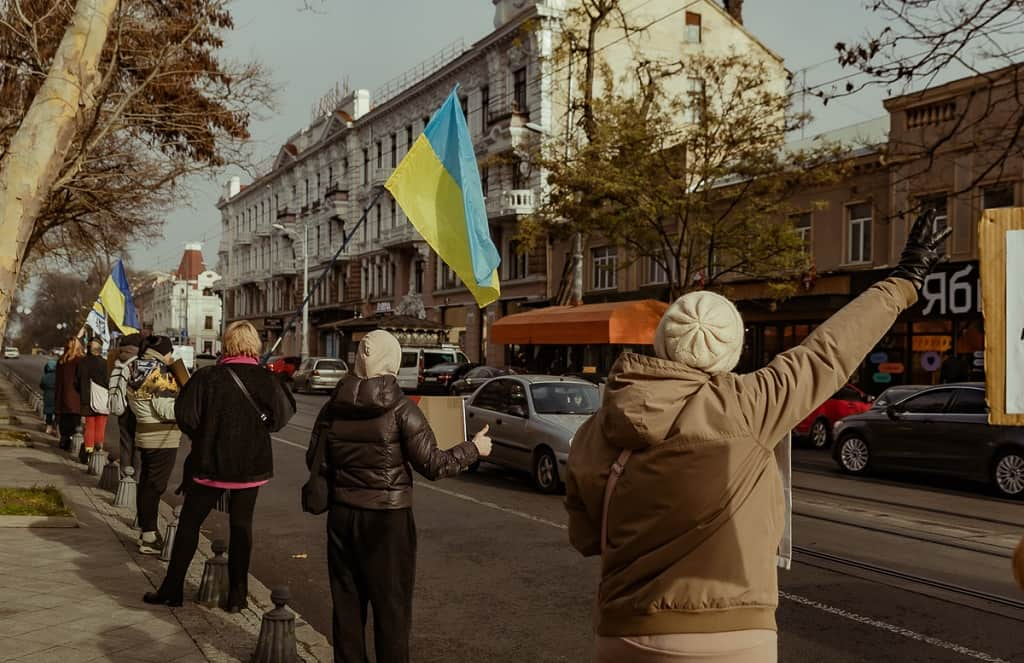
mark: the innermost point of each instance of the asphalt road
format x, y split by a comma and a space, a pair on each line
498, 581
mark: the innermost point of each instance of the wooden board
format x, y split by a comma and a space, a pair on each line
992, 232
446, 416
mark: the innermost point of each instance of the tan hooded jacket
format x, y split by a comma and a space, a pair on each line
696, 518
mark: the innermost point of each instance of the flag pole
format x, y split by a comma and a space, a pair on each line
316, 284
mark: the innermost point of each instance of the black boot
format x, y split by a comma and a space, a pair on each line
156, 598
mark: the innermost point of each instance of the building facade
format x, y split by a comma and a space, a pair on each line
184, 305
327, 176
951, 148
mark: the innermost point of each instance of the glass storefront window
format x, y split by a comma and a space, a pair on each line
932, 339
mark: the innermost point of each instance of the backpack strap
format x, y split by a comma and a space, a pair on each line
617, 468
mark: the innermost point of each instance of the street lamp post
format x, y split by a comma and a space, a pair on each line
305, 284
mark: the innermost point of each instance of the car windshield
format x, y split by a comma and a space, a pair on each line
330, 366
432, 359
565, 398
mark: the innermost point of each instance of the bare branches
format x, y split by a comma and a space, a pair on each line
167, 107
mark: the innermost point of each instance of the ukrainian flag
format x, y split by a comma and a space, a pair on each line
116, 298
438, 187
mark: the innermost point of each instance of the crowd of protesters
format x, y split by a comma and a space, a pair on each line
674, 482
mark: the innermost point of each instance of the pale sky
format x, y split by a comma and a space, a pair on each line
373, 42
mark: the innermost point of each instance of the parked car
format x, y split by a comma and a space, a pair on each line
533, 419
936, 430
11, 352
818, 425
318, 374
474, 378
417, 360
284, 365
439, 379
895, 395
205, 359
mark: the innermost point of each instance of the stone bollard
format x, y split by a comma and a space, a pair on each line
276, 643
214, 587
126, 490
172, 529
95, 466
224, 501
111, 475
77, 440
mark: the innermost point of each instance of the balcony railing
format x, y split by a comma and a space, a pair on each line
284, 212
243, 237
264, 231
513, 114
381, 175
285, 268
401, 234
337, 191
510, 202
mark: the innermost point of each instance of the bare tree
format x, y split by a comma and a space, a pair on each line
925, 40
162, 106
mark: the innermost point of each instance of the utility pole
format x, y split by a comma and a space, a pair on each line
305, 288
577, 244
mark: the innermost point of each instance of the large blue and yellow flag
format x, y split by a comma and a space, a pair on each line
438, 186
116, 298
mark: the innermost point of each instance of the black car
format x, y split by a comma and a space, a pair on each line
438, 380
935, 430
475, 377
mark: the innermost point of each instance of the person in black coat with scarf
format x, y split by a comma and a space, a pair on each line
229, 424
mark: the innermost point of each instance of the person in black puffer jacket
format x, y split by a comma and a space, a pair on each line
231, 450
373, 435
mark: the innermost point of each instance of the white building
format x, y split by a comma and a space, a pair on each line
185, 306
328, 173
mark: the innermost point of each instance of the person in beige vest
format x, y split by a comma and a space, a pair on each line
674, 483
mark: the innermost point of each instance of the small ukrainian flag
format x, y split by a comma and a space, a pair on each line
438, 187
116, 299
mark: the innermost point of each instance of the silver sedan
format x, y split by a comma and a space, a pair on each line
533, 419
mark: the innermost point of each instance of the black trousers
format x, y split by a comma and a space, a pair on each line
67, 424
157, 465
371, 557
199, 501
129, 456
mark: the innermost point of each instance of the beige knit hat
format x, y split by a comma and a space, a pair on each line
379, 353
702, 330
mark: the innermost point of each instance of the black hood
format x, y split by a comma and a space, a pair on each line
359, 398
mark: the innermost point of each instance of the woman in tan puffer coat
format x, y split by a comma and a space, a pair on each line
674, 481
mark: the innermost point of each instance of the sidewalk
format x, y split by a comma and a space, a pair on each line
73, 594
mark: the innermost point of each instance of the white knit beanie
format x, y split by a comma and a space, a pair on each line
379, 353
702, 330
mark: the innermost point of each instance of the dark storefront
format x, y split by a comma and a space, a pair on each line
945, 323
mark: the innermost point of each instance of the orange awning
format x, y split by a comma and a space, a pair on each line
617, 323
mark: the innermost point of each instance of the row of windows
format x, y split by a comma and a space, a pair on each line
860, 219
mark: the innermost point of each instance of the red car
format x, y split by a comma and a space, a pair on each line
284, 365
817, 427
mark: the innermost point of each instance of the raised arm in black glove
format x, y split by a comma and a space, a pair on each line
923, 250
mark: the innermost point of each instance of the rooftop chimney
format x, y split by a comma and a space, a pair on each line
735, 9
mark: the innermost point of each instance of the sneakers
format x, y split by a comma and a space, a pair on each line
154, 547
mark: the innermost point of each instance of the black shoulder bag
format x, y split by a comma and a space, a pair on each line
263, 415
316, 492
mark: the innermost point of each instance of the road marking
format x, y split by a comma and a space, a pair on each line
290, 444
898, 630
838, 612
492, 505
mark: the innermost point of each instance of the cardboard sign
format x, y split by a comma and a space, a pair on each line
1001, 243
447, 418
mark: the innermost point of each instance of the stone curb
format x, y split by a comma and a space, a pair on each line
200, 623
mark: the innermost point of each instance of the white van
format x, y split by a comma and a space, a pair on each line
417, 360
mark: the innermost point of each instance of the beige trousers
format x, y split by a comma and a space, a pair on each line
752, 646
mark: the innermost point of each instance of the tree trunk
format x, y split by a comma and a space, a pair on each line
37, 150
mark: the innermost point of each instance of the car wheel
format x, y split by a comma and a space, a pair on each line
545, 471
821, 434
1008, 473
854, 455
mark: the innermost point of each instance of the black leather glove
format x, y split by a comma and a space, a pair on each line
923, 250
